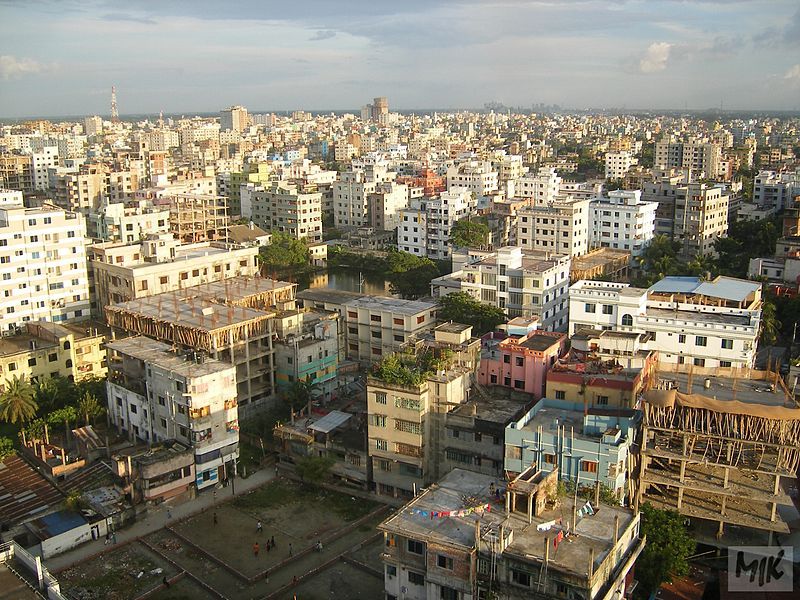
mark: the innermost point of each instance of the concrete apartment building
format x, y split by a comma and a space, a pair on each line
405, 427
156, 393
127, 222
234, 118
123, 271
541, 188
693, 214
377, 326
776, 190
198, 218
618, 164
43, 272
521, 282
584, 445
622, 221
700, 157
41, 349
307, 349
16, 173
425, 225
521, 363
43, 160
385, 204
446, 543
290, 207
560, 227
479, 177
713, 324
351, 206
231, 321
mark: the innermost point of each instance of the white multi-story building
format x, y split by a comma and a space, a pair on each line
699, 157
479, 177
385, 204
43, 272
618, 164
424, 229
776, 190
541, 188
290, 207
156, 393
560, 226
622, 221
689, 321
46, 158
93, 125
121, 222
233, 119
521, 282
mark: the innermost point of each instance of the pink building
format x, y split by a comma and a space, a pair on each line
521, 363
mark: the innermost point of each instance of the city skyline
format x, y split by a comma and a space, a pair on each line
186, 57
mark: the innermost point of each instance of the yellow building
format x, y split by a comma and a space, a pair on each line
74, 351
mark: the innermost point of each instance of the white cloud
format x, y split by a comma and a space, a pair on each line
12, 67
656, 57
793, 74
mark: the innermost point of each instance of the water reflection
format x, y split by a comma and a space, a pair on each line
349, 280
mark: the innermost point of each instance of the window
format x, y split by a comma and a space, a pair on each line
627, 320
682, 339
415, 578
725, 363
590, 308
550, 459
519, 384
520, 578
415, 547
608, 309
380, 397
602, 400
507, 359
420, 319
376, 318
444, 562
32, 362
381, 445
519, 361
699, 362
133, 408
377, 420
164, 280
52, 357
398, 321
448, 593
391, 570
561, 395
590, 466
700, 340
407, 426
727, 344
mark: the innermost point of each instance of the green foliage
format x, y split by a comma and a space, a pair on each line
34, 430
648, 153
463, 308
73, 501
313, 468
412, 368
284, 252
18, 400
6, 447
298, 394
88, 407
62, 416
470, 233
410, 276
56, 392
746, 240
770, 326
666, 555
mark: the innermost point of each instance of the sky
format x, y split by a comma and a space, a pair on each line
61, 57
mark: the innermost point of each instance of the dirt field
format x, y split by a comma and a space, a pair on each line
290, 513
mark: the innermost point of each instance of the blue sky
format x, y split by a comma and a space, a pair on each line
61, 57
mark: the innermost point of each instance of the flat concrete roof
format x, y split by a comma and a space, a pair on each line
491, 407
541, 341
465, 489
722, 388
699, 317
239, 288
328, 295
161, 355
395, 305
452, 327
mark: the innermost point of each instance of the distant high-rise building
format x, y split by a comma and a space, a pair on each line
233, 119
93, 125
378, 111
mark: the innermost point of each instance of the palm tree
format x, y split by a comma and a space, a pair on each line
770, 325
89, 407
17, 401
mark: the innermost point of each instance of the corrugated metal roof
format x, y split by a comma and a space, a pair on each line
726, 288
330, 421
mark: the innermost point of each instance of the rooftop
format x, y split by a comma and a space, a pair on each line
492, 407
697, 316
465, 489
24, 493
243, 290
725, 288
328, 295
541, 340
742, 389
394, 305
162, 355
452, 327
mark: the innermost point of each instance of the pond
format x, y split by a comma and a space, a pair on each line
349, 280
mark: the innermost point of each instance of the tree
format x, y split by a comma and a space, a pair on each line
284, 252
770, 326
65, 415
6, 448
89, 408
463, 308
470, 233
410, 276
313, 468
54, 392
298, 394
666, 555
18, 402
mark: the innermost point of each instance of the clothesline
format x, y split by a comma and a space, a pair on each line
463, 512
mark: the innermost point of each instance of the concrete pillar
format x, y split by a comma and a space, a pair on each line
530, 508
40, 572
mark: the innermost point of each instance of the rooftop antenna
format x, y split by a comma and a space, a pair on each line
114, 111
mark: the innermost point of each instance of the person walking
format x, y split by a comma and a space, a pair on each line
255, 549
215, 519
259, 528
290, 548
269, 546
272, 541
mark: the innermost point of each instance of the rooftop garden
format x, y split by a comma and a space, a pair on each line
412, 368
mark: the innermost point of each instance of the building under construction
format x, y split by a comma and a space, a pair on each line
198, 218
229, 320
610, 264
722, 451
